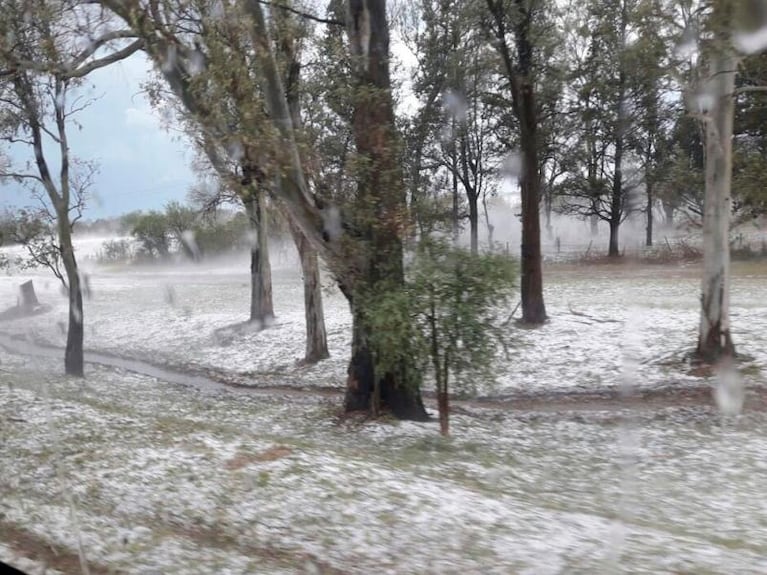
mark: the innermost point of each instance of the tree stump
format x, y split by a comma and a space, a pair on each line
28, 295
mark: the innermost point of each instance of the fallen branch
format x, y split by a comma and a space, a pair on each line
508, 321
592, 318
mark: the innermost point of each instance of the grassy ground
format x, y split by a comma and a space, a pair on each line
156, 478
167, 480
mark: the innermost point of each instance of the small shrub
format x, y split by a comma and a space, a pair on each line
116, 251
451, 315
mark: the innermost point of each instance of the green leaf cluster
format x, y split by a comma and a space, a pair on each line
451, 315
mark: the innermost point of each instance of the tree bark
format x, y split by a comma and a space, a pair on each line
614, 249
316, 336
379, 221
616, 200
366, 390
714, 339
261, 306
474, 223
74, 354
650, 218
533, 308
520, 77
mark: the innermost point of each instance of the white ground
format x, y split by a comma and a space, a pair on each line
169, 480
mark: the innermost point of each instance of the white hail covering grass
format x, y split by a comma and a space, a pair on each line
167, 479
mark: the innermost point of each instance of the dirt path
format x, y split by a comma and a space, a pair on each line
26, 544
213, 381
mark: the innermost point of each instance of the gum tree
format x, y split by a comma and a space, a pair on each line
733, 29
361, 240
46, 49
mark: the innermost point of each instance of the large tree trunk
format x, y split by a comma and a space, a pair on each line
650, 201
261, 307
474, 222
714, 340
73, 355
522, 82
316, 336
398, 390
533, 308
379, 219
614, 249
617, 200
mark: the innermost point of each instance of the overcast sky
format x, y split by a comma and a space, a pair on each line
141, 166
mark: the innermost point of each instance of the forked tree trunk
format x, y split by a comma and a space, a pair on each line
261, 307
714, 339
316, 336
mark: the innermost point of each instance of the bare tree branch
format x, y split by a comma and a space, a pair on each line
97, 43
86, 69
750, 89
302, 14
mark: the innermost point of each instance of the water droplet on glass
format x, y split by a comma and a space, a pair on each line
332, 222
196, 63
446, 134
170, 295
85, 284
169, 61
251, 236
235, 150
688, 44
730, 391
455, 105
704, 103
751, 42
512, 166
190, 243
217, 10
